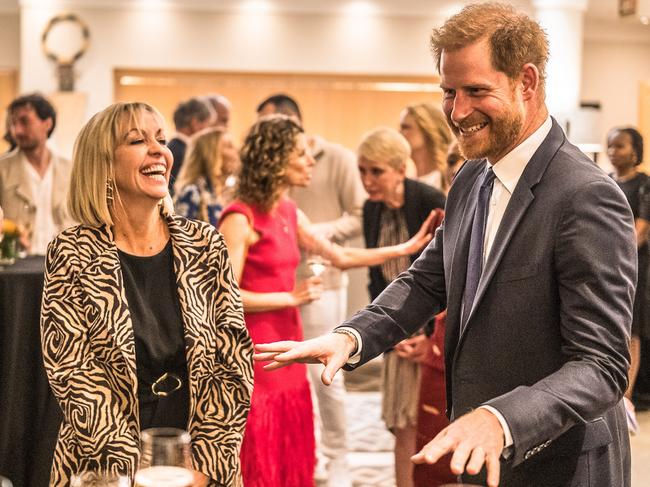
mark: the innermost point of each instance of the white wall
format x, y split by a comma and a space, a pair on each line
174, 39
616, 58
9, 40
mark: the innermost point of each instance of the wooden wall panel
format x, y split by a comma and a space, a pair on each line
339, 107
8, 91
644, 121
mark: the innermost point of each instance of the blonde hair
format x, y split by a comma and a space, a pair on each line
92, 180
203, 159
387, 145
437, 136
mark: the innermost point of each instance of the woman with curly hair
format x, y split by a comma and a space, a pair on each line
205, 182
423, 125
263, 230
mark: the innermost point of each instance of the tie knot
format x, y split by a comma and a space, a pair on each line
488, 177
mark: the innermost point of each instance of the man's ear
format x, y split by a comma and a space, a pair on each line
529, 81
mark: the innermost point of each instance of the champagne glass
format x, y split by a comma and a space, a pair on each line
316, 264
99, 479
165, 459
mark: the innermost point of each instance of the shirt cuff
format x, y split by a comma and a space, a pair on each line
507, 436
356, 357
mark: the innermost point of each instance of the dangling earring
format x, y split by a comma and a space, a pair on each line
109, 192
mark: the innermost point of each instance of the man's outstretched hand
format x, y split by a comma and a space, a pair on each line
332, 350
474, 439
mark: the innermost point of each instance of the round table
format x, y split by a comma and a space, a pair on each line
29, 414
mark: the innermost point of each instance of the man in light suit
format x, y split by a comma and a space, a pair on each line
34, 180
535, 267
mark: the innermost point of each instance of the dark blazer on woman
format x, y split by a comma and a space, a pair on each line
89, 352
419, 200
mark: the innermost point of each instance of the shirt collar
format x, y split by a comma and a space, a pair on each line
510, 168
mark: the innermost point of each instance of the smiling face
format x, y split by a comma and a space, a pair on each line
142, 161
484, 108
300, 163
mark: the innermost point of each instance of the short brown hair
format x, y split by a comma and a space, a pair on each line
264, 158
514, 38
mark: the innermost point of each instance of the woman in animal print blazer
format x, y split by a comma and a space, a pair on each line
131, 294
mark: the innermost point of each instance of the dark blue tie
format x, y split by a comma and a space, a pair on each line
475, 257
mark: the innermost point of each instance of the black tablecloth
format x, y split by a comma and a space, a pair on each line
29, 414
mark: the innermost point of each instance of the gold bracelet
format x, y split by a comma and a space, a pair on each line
343, 331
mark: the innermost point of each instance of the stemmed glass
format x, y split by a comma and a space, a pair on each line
165, 459
316, 264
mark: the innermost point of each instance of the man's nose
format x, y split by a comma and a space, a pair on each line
461, 108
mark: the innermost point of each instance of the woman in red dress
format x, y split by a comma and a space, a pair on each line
263, 230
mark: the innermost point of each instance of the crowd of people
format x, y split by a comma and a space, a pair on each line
169, 261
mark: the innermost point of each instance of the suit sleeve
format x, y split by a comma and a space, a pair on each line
595, 267
216, 442
91, 405
405, 305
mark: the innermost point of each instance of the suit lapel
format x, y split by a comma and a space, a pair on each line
19, 179
457, 271
521, 199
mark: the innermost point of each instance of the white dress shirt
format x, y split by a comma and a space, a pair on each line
507, 170
44, 228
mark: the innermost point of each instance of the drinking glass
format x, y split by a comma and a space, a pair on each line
99, 479
316, 264
165, 459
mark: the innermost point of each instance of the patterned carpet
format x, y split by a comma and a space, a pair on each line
370, 455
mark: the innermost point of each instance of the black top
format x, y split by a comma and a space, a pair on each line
637, 192
419, 200
152, 296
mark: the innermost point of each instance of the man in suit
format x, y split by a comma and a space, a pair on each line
535, 267
190, 117
34, 180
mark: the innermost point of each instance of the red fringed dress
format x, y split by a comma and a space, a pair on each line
278, 448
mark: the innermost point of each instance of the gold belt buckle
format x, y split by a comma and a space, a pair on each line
163, 378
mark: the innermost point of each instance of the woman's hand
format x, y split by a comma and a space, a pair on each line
424, 234
306, 291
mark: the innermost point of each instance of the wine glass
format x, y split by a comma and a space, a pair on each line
99, 479
316, 264
165, 458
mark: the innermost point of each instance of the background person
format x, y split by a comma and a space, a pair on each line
191, 116
206, 182
264, 230
394, 211
136, 299
332, 202
625, 152
34, 180
424, 127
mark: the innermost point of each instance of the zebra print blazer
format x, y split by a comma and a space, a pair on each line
89, 352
